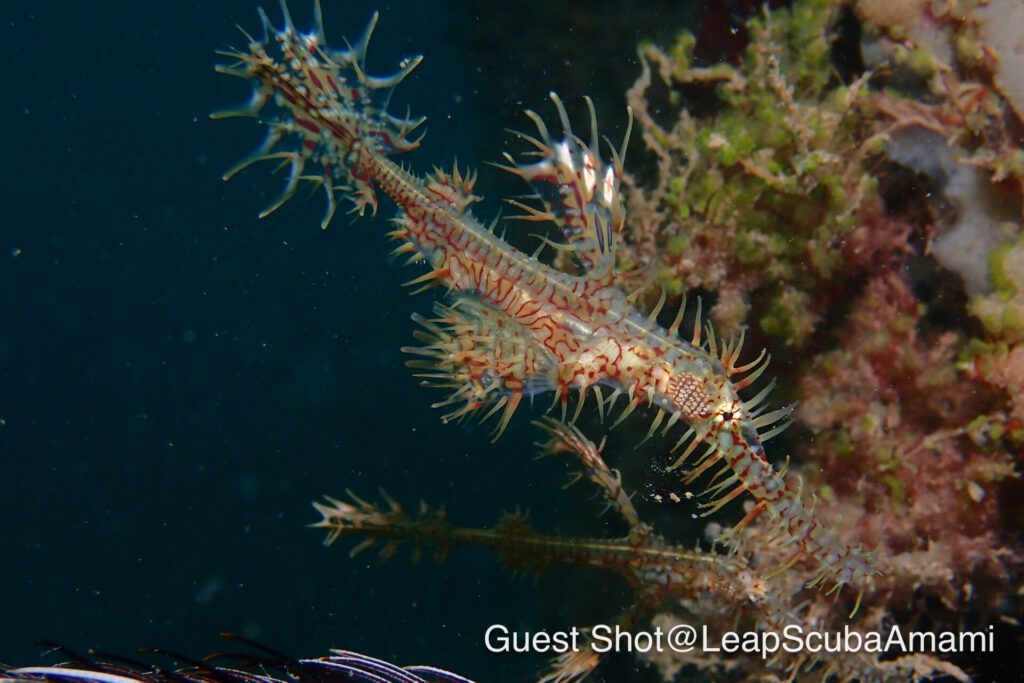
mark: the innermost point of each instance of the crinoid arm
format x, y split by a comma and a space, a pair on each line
358, 518
320, 106
565, 438
257, 664
578, 190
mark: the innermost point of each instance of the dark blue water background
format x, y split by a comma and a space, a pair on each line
179, 380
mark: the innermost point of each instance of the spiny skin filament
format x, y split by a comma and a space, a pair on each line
515, 326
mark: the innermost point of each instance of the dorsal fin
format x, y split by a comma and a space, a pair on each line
579, 191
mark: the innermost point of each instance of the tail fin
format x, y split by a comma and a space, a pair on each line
323, 106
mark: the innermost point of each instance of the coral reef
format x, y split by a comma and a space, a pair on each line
787, 199
764, 194
897, 428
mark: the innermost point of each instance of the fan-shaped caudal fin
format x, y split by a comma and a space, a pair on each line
578, 190
320, 106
